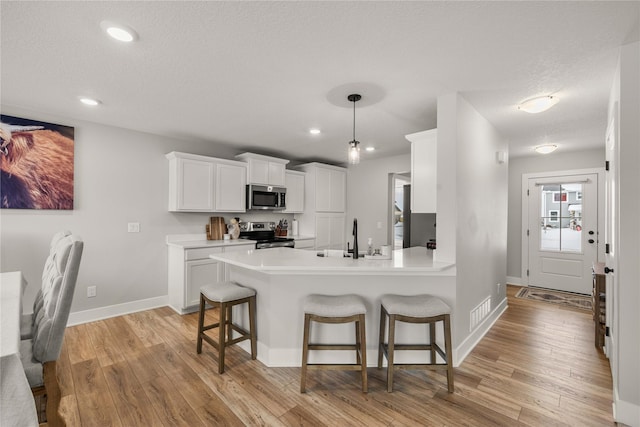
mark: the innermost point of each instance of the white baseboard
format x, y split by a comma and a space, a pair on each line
79, 317
512, 280
469, 343
625, 412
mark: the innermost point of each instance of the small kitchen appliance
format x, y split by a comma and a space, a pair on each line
266, 197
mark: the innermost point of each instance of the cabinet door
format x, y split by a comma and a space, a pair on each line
295, 192
330, 231
195, 185
277, 174
199, 273
323, 190
337, 237
258, 171
338, 190
230, 188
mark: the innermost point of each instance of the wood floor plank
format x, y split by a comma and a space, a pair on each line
133, 406
536, 366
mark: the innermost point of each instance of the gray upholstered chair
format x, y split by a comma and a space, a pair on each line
27, 320
51, 312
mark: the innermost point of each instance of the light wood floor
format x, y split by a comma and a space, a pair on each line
537, 366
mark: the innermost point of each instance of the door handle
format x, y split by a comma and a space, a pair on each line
591, 241
591, 232
608, 270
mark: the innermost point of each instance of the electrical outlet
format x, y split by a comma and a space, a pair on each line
133, 227
91, 291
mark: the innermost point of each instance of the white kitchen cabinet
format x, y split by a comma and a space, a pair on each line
330, 231
205, 184
191, 268
230, 183
294, 182
423, 171
264, 170
324, 205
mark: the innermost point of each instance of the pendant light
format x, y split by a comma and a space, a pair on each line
354, 146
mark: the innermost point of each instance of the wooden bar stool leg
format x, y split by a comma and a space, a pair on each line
362, 345
229, 322
383, 325
305, 353
252, 325
447, 346
222, 337
200, 325
358, 348
432, 340
392, 338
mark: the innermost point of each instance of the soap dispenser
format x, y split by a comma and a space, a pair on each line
370, 246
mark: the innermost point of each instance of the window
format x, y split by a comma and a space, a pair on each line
554, 215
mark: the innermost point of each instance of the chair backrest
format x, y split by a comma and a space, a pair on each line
53, 302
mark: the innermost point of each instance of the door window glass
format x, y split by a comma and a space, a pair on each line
561, 217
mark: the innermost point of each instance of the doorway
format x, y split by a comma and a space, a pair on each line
397, 212
560, 241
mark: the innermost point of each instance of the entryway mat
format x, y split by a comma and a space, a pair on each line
556, 297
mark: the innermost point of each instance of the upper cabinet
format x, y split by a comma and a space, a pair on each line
423, 171
205, 184
326, 187
294, 182
264, 170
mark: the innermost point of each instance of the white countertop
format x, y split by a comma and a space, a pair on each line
410, 261
193, 241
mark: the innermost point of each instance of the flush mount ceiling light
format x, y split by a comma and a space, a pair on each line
546, 149
539, 104
92, 102
370, 148
354, 146
119, 32
314, 131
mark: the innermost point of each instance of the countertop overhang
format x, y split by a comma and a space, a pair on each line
409, 261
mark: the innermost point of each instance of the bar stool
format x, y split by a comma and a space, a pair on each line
335, 309
415, 309
225, 295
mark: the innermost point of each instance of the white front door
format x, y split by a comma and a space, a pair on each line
563, 231
610, 232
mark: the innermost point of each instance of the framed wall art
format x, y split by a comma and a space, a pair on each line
36, 162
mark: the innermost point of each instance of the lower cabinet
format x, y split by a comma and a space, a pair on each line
330, 231
309, 243
190, 269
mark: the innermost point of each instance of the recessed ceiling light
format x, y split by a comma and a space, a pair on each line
546, 149
370, 148
314, 131
539, 104
89, 101
119, 32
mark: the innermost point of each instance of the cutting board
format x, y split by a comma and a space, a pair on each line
216, 229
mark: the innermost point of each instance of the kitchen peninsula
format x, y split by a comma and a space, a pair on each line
283, 277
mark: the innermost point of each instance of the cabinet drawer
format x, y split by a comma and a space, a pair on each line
200, 253
239, 248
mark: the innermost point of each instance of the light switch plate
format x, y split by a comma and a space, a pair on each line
133, 227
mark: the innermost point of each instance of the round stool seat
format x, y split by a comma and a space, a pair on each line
415, 305
226, 291
334, 305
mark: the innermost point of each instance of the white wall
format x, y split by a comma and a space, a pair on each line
472, 206
121, 176
368, 197
624, 103
539, 163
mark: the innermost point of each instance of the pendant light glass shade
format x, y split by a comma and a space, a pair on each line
354, 152
354, 146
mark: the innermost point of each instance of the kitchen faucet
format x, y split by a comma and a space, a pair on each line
355, 238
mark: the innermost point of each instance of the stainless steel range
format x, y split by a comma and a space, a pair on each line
265, 234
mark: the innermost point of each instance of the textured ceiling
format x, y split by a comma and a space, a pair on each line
258, 75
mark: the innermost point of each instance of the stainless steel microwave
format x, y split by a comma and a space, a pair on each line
266, 197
